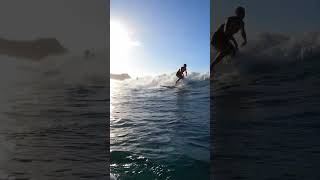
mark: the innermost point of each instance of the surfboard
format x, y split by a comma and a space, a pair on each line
171, 87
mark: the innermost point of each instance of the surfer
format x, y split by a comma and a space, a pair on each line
222, 37
180, 72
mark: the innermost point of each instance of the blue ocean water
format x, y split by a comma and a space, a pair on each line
265, 111
159, 132
53, 118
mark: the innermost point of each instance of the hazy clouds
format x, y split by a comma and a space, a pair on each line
77, 24
291, 17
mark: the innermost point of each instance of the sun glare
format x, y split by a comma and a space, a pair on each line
120, 45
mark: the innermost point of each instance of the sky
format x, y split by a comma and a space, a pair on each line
292, 17
150, 37
77, 24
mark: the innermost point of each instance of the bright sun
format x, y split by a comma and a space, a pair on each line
120, 46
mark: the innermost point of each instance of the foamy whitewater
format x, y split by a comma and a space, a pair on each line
265, 105
159, 132
53, 118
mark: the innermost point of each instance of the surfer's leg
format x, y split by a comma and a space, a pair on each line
178, 81
212, 72
224, 48
218, 58
232, 50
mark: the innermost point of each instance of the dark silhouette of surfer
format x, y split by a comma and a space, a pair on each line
221, 39
88, 53
180, 72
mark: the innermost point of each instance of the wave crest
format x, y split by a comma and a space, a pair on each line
269, 51
276, 46
284, 47
167, 80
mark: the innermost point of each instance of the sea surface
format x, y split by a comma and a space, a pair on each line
265, 111
53, 118
160, 132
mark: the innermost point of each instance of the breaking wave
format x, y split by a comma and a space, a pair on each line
193, 78
270, 52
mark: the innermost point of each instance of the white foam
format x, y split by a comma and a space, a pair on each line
165, 80
277, 48
112, 177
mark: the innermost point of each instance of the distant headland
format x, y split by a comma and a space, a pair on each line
36, 49
120, 76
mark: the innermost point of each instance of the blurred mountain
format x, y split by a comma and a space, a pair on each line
119, 76
32, 49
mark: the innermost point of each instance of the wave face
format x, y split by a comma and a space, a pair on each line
271, 52
265, 109
159, 132
53, 118
166, 80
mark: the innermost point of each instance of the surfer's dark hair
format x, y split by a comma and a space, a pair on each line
185, 65
240, 11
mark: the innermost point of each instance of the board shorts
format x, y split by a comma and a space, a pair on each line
221, 42
179, 75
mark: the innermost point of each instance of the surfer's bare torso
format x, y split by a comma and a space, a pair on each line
180, 72
222, 38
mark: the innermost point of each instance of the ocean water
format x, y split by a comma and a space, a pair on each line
53, 118
158, 132
265, 111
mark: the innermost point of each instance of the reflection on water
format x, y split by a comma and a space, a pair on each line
264, 125
52, 127
159, 133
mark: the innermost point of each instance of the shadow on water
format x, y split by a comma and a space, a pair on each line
63, 134
161, 133
266, 128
